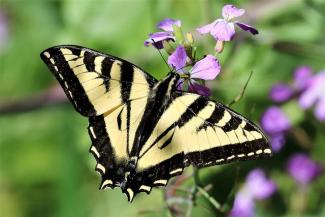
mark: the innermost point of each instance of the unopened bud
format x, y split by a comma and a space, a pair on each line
219, 46
189, 38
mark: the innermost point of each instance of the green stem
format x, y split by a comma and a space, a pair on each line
197, 183
205, 194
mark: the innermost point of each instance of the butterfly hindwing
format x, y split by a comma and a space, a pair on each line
95, 82
195, 130
112, 136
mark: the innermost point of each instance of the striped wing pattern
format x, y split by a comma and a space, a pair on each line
143, 131
94, 82
194, 130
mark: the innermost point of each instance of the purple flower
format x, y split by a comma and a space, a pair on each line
303, 169
178, 58
280, 92
274, 121
302, 76
158, 38
224, 29
277, 141
4, 32
167, 24
257, 187
205, 69
314, 94
244, 206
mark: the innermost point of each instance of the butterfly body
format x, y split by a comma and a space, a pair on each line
145, 131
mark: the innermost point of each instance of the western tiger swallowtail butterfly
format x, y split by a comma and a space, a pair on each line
145, 131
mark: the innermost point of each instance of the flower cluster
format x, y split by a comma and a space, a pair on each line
257, 187
307, 89
182, 50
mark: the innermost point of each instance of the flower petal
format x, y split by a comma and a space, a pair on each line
178, 58
303, 169
230, 11
302, 77
223, 30
207, 28
308, 98
277, 141
320, 110
248, 28
275, 121
280, 92
244, 206
207, 68
158, 38
167, 24
259, 185
315, 91
199, 89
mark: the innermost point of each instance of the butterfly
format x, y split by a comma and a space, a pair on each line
145, 131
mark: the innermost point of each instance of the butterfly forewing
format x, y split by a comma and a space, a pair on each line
95, 82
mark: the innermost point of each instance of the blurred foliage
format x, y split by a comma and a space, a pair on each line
45, 169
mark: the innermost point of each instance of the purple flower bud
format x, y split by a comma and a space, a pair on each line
280, 93
178, 58
259, 185
303, 169
167, 24
206, 69
274, 121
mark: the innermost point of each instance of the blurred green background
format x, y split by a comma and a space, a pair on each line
45, 167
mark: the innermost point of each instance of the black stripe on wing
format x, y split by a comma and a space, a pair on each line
154, 176
56, 62
111, 171
250, 148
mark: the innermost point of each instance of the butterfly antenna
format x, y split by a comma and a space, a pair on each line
156, 45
